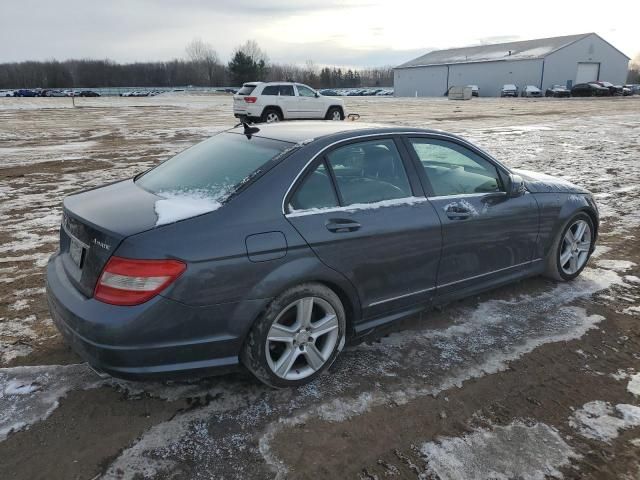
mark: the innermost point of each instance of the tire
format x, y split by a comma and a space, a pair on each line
271, 115
334, 113
567, 271
285, 363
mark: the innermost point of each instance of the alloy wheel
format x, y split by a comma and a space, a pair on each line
576, 244
272, 117
302, 338
335, 115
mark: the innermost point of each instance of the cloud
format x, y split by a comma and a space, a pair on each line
348, 32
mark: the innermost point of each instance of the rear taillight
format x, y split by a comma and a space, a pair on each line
250, 99
125, 281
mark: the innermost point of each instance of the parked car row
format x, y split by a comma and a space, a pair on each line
47, 92
358, 92
589, 89
141, 93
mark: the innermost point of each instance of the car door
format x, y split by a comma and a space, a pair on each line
486, 234
288, 102
364, 214
311, 105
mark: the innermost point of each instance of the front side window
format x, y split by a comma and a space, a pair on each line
316, 191
214, 167
454, 170
305, 91
369, 172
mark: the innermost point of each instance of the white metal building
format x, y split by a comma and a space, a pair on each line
543, 62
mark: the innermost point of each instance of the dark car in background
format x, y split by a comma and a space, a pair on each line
25, 92
613, 89
88, 93
557, 91
271, 246
589, 90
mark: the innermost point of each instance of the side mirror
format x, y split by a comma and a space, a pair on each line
516, 187
317, 94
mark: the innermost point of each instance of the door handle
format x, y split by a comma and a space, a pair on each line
457, 213
342, 225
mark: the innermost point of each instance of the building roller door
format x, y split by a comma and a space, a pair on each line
587, 72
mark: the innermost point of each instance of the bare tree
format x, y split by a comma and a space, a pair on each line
251, 49
206, 60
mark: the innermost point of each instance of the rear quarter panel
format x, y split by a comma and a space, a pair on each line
215, 247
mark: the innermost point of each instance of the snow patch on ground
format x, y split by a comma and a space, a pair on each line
16, 335
634, 385
635, 310
617, 265
599, 420
30, 394
513, 451
176, 206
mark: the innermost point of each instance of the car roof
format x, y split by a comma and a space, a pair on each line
305, 131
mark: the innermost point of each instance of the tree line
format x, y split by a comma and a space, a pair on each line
201, 67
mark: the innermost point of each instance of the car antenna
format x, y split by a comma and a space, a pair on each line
248, 129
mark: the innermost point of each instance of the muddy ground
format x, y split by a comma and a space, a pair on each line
531, 380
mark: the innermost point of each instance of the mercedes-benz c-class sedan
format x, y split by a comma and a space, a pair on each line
271, 246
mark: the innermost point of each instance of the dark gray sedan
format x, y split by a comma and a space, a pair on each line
271, 246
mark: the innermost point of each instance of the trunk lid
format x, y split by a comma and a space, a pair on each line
95, 222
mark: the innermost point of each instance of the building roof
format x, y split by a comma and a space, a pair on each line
524, 50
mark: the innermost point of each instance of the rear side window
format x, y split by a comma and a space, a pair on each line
214, 167
270, 90
246, 89
287, 91
454, 170
316, 191
369, 172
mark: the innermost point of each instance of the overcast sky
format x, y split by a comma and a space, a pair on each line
331, 32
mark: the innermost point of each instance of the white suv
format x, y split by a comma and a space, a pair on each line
275, 101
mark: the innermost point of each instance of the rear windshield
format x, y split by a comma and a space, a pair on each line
213, 168
246, 89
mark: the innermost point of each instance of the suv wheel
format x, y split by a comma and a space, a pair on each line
297, 338
271, 115
334, 113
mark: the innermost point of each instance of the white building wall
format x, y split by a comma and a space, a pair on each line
491, 76
561, 66
420, 81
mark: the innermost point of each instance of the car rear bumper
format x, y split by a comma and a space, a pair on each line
160, 338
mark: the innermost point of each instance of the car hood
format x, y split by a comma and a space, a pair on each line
543, 183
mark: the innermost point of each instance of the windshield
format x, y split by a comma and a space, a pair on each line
213, 168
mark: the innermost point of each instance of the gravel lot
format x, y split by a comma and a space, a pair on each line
531, 380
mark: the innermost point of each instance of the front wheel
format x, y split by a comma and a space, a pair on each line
297, 338
334, 113
571, 249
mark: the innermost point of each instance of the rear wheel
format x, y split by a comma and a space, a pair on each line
334, 113
571, 249
297, 338
271, 115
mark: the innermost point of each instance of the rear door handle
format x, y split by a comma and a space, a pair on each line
342, 225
